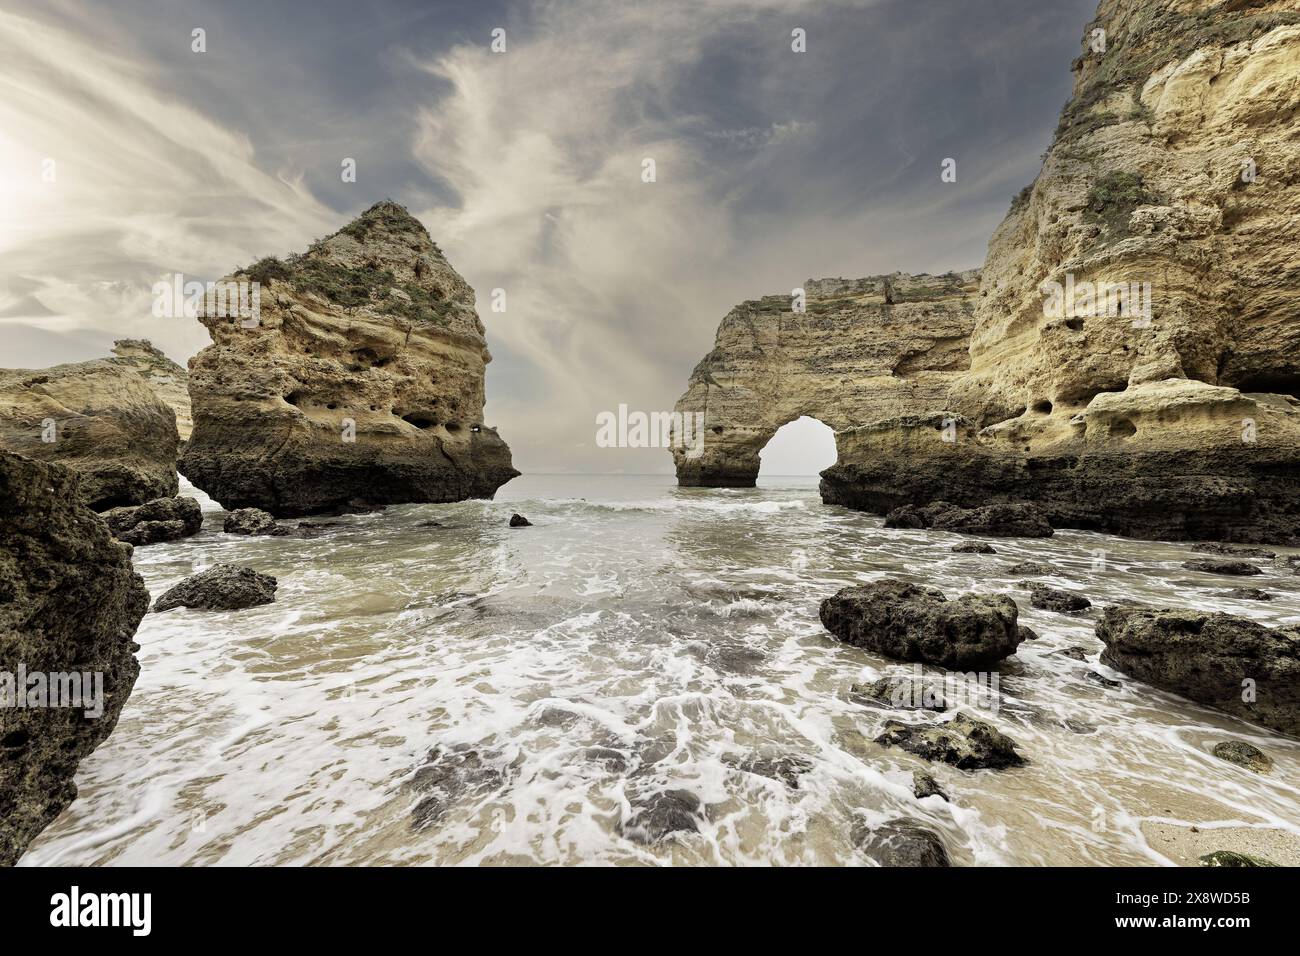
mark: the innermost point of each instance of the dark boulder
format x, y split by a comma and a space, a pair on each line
974, 547
913, 623
70, 603
1220, 660
1215, 566
519, 521
901, 843
252, 521
1029, 567
1052, 599
1249, 594
163, 519
223, 587
963, 741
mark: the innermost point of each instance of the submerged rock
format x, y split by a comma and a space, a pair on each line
1102, 681
361, 378
223, 587
1017, 520
314, 529
924, 785
1244, 754
70, 603
1074, 652
913, 623
1052, 599
449, 775
963, 741
901, 693
1228, 662
163, 519
253, 521
102, 420
1211, 566
1248, 594
661, 815
519, 521
974, 547
785, 768
1029, 567
901, 843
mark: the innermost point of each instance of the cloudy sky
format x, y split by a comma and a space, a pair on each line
772, 167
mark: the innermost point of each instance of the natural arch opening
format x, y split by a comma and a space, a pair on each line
801, 448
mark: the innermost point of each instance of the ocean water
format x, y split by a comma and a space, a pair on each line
640, 638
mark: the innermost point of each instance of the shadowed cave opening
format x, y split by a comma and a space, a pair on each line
803, 447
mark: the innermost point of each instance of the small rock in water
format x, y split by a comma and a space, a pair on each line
251, 521
1103, 681
902, 693
1030, 567
786, 768
964, 742
912, 623
1214, 547
1074, 652
1052, 599
429, 524
1211, 566
901, 843
1249, 594
661, 815
974, 547
924, 785
519, 521
162, 519
223, 587
1244, 754
1028, 633
448, 775
1230, 858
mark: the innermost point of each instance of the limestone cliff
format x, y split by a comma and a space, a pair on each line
69, 604
99, 418
862, 350
1134, 363
362, 378
169, 381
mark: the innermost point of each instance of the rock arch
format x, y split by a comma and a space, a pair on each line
863, 350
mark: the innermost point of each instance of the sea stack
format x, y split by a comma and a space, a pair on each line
69, 606
359, 380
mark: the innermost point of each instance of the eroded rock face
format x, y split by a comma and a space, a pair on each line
99, 418
362, 380
912, 623
863, 350
169, 380
1231, 663
69, 603
1170, 167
